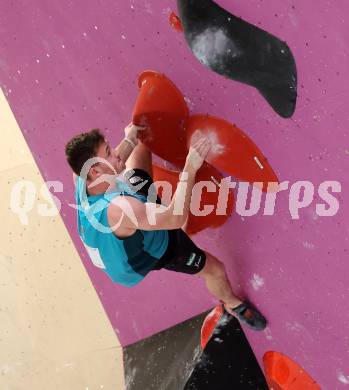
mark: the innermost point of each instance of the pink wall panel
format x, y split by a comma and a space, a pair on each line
70, 66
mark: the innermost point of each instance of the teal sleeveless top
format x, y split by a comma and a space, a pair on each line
126, 261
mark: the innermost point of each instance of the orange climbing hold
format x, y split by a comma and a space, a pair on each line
161, 107
175, 22
232, 150
282, 373
209, 197
209, 324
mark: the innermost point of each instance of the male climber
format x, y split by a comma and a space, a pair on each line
134, 246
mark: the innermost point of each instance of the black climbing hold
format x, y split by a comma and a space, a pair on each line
241, 51
228, 361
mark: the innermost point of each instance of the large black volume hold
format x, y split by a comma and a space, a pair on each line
241, 51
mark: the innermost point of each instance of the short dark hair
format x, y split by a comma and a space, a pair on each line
83, 147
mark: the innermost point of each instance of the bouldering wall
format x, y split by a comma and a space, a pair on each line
71, 66
53, 327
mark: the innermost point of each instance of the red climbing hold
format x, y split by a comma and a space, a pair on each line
232, 150
284, 374
175, 22
209, 324
207, 198
161, 107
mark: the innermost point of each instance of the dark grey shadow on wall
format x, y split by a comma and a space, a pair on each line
165, 360
241, 51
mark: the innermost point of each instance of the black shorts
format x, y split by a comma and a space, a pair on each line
181, 255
